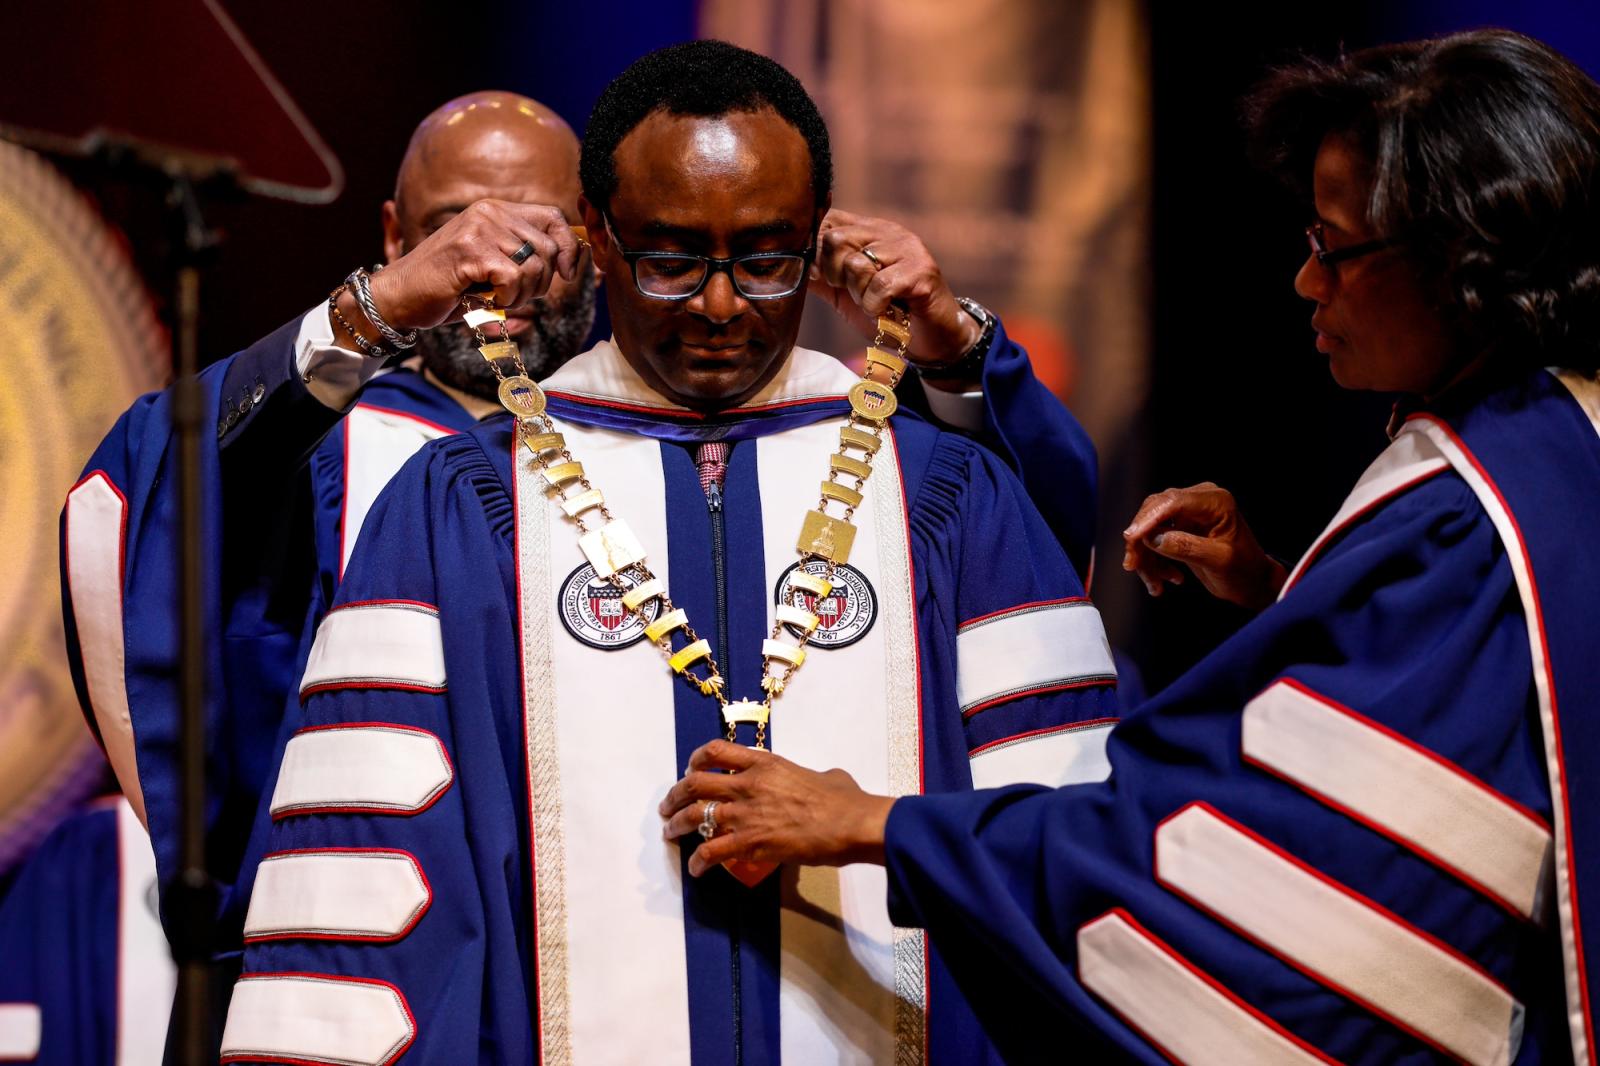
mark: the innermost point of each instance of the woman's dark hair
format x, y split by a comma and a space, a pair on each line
1485, 155
706, 78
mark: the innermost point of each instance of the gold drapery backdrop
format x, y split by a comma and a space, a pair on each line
1013, 136
80, 342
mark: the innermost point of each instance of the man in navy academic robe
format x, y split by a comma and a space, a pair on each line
308, 432
458, 860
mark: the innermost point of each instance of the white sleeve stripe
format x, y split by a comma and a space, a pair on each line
96, 543
377, 443
361, 768
1403, 791
322, 1018
1067, 755
367, 894
1186, 1013
1033, 648
1338, 937
21, 1029
1020, 609
380, 644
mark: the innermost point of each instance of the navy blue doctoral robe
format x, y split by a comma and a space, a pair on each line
460, 859
85, 975
1362, 830
287, 481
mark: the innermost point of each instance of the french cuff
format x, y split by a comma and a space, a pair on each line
959, 410
332, 374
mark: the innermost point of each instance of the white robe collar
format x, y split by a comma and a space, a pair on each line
601, 373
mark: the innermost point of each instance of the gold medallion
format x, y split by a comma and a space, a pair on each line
872, 400
826, 537
522, 396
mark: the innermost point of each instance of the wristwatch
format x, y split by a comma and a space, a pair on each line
970, 366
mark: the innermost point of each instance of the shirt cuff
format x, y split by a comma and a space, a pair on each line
332, 374
960, 410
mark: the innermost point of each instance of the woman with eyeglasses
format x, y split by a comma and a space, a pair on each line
1367, 827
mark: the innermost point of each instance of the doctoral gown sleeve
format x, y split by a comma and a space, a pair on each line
120, 579
1018, 681
1280, 858
1043, 444
387, 871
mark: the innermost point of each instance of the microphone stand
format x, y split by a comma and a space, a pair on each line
194, 896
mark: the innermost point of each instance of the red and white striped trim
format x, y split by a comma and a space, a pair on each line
1397, 787
1031, 649
1061, 755
21, 1030
1337, 936
1580, 1017
376, 895
361, 768
96, 561
1409, 460
390, 644
317, 1019
1188, 1015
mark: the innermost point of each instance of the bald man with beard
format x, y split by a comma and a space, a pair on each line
310, 426
490, 146
86, 975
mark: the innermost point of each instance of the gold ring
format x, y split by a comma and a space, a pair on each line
870, 254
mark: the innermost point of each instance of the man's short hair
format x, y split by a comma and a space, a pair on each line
1485, 157
704, 78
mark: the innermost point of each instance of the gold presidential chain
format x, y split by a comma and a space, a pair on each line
618, 557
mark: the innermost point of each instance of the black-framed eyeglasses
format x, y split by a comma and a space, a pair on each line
1330, 257
681, 275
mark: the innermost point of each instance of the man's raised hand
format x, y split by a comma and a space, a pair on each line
1200, 528
904, 272
423, 287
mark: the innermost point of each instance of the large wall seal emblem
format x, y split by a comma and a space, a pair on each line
80, 342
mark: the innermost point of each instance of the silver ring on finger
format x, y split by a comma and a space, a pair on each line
708, 821
870, 254
523, 253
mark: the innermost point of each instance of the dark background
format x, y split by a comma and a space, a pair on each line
1239, 396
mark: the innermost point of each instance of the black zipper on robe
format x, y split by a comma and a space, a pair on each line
719, 569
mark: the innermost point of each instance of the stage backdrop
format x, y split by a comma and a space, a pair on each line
1013, 136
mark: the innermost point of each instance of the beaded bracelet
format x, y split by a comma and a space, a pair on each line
375, 351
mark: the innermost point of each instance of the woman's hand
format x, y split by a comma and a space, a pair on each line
771, 810
1200, 527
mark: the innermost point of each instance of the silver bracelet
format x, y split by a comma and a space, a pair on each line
360, 284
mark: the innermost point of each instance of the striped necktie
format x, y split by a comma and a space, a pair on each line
711, 460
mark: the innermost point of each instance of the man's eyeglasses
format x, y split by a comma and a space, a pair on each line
681, 276
1330, 257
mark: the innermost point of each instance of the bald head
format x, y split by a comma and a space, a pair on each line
492, 146
486, 145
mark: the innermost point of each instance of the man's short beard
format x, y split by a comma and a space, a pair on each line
450, 350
